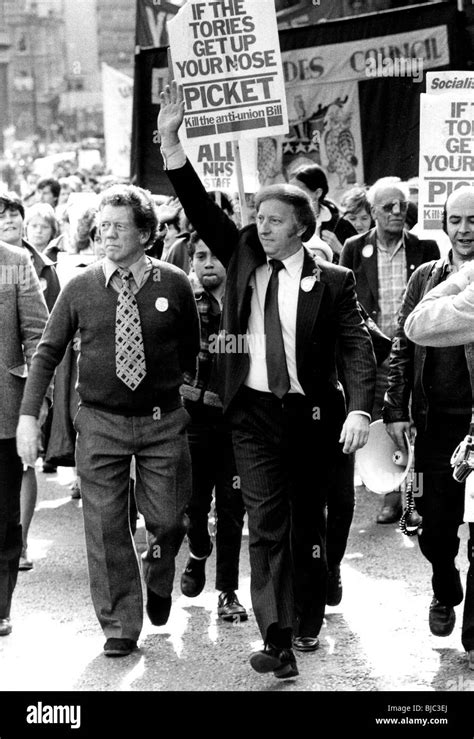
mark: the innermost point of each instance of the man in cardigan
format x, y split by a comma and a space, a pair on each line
280, 392
139, 332
383, 260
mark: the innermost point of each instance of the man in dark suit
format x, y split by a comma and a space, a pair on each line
383, 260
23, 316
280, 390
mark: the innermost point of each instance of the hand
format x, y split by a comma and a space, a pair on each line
171, 113
27, 439
331, 240
355, 432
397, 431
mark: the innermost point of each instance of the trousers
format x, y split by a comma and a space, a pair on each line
214, 469
281, 453
105, 445
11, 472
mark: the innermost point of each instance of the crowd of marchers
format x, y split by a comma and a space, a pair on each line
108, 312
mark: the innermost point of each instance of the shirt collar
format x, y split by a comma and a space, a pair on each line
399, 245
137, 269
292, 264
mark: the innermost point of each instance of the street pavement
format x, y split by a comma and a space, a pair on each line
377, 639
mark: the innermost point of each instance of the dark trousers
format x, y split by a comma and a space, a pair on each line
106, 443
11, 472
282, 460
214, 469
340, 507
441, 503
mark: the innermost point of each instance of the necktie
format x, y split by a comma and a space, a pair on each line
277, 371
130, 364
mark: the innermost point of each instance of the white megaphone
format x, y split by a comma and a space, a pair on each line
381, 465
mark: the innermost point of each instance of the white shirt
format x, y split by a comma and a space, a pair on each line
289, 280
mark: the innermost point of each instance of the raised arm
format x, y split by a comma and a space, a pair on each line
214, 227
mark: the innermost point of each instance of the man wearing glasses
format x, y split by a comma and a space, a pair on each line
383, 260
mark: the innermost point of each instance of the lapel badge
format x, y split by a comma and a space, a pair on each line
307, 283
367, 251
161, 305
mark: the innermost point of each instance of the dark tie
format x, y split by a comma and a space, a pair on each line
130, 364
277, 371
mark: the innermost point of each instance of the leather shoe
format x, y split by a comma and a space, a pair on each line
193, 578
334, 592
282, 662
5, 626
119, 647
306, 643
470, 657
392, 508
157, 608
25, 563
229, 608
441, 618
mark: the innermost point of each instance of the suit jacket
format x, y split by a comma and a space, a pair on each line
327, 315
364, 265
23, 316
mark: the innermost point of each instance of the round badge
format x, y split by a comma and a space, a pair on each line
43, 284
412, 266
307, 284
161, 304
367, 251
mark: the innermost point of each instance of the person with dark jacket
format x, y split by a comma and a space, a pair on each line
11, 231
382, 260
279, 388
432, 386
212, 455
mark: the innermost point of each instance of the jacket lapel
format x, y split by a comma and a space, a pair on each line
250, 258
308, 305
413, 253
369, 263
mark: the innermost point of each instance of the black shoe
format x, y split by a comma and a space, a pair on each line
334, 592
282, 662
5, 626
193, 578
229, 608
119, 647
157, 608
441, 618
306, 643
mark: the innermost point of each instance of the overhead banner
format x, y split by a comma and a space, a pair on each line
446, 146
226, 55
117, 92
352, 88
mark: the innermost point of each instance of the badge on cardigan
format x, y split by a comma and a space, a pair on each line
367, 251
43, 283
161, 304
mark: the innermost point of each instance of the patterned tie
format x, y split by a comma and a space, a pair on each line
277, 371
130, 364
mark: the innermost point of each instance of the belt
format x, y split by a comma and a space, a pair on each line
288, 399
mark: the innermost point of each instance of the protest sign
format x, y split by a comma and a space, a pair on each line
216, 164
226, 55
446, 151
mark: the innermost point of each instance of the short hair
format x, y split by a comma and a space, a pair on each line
463, 189
313, 177
52, 183
141, 203
386, 183
13, 201
46, 211
292, 195
354, 200
193, 240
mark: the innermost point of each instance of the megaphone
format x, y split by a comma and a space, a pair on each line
381, 465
